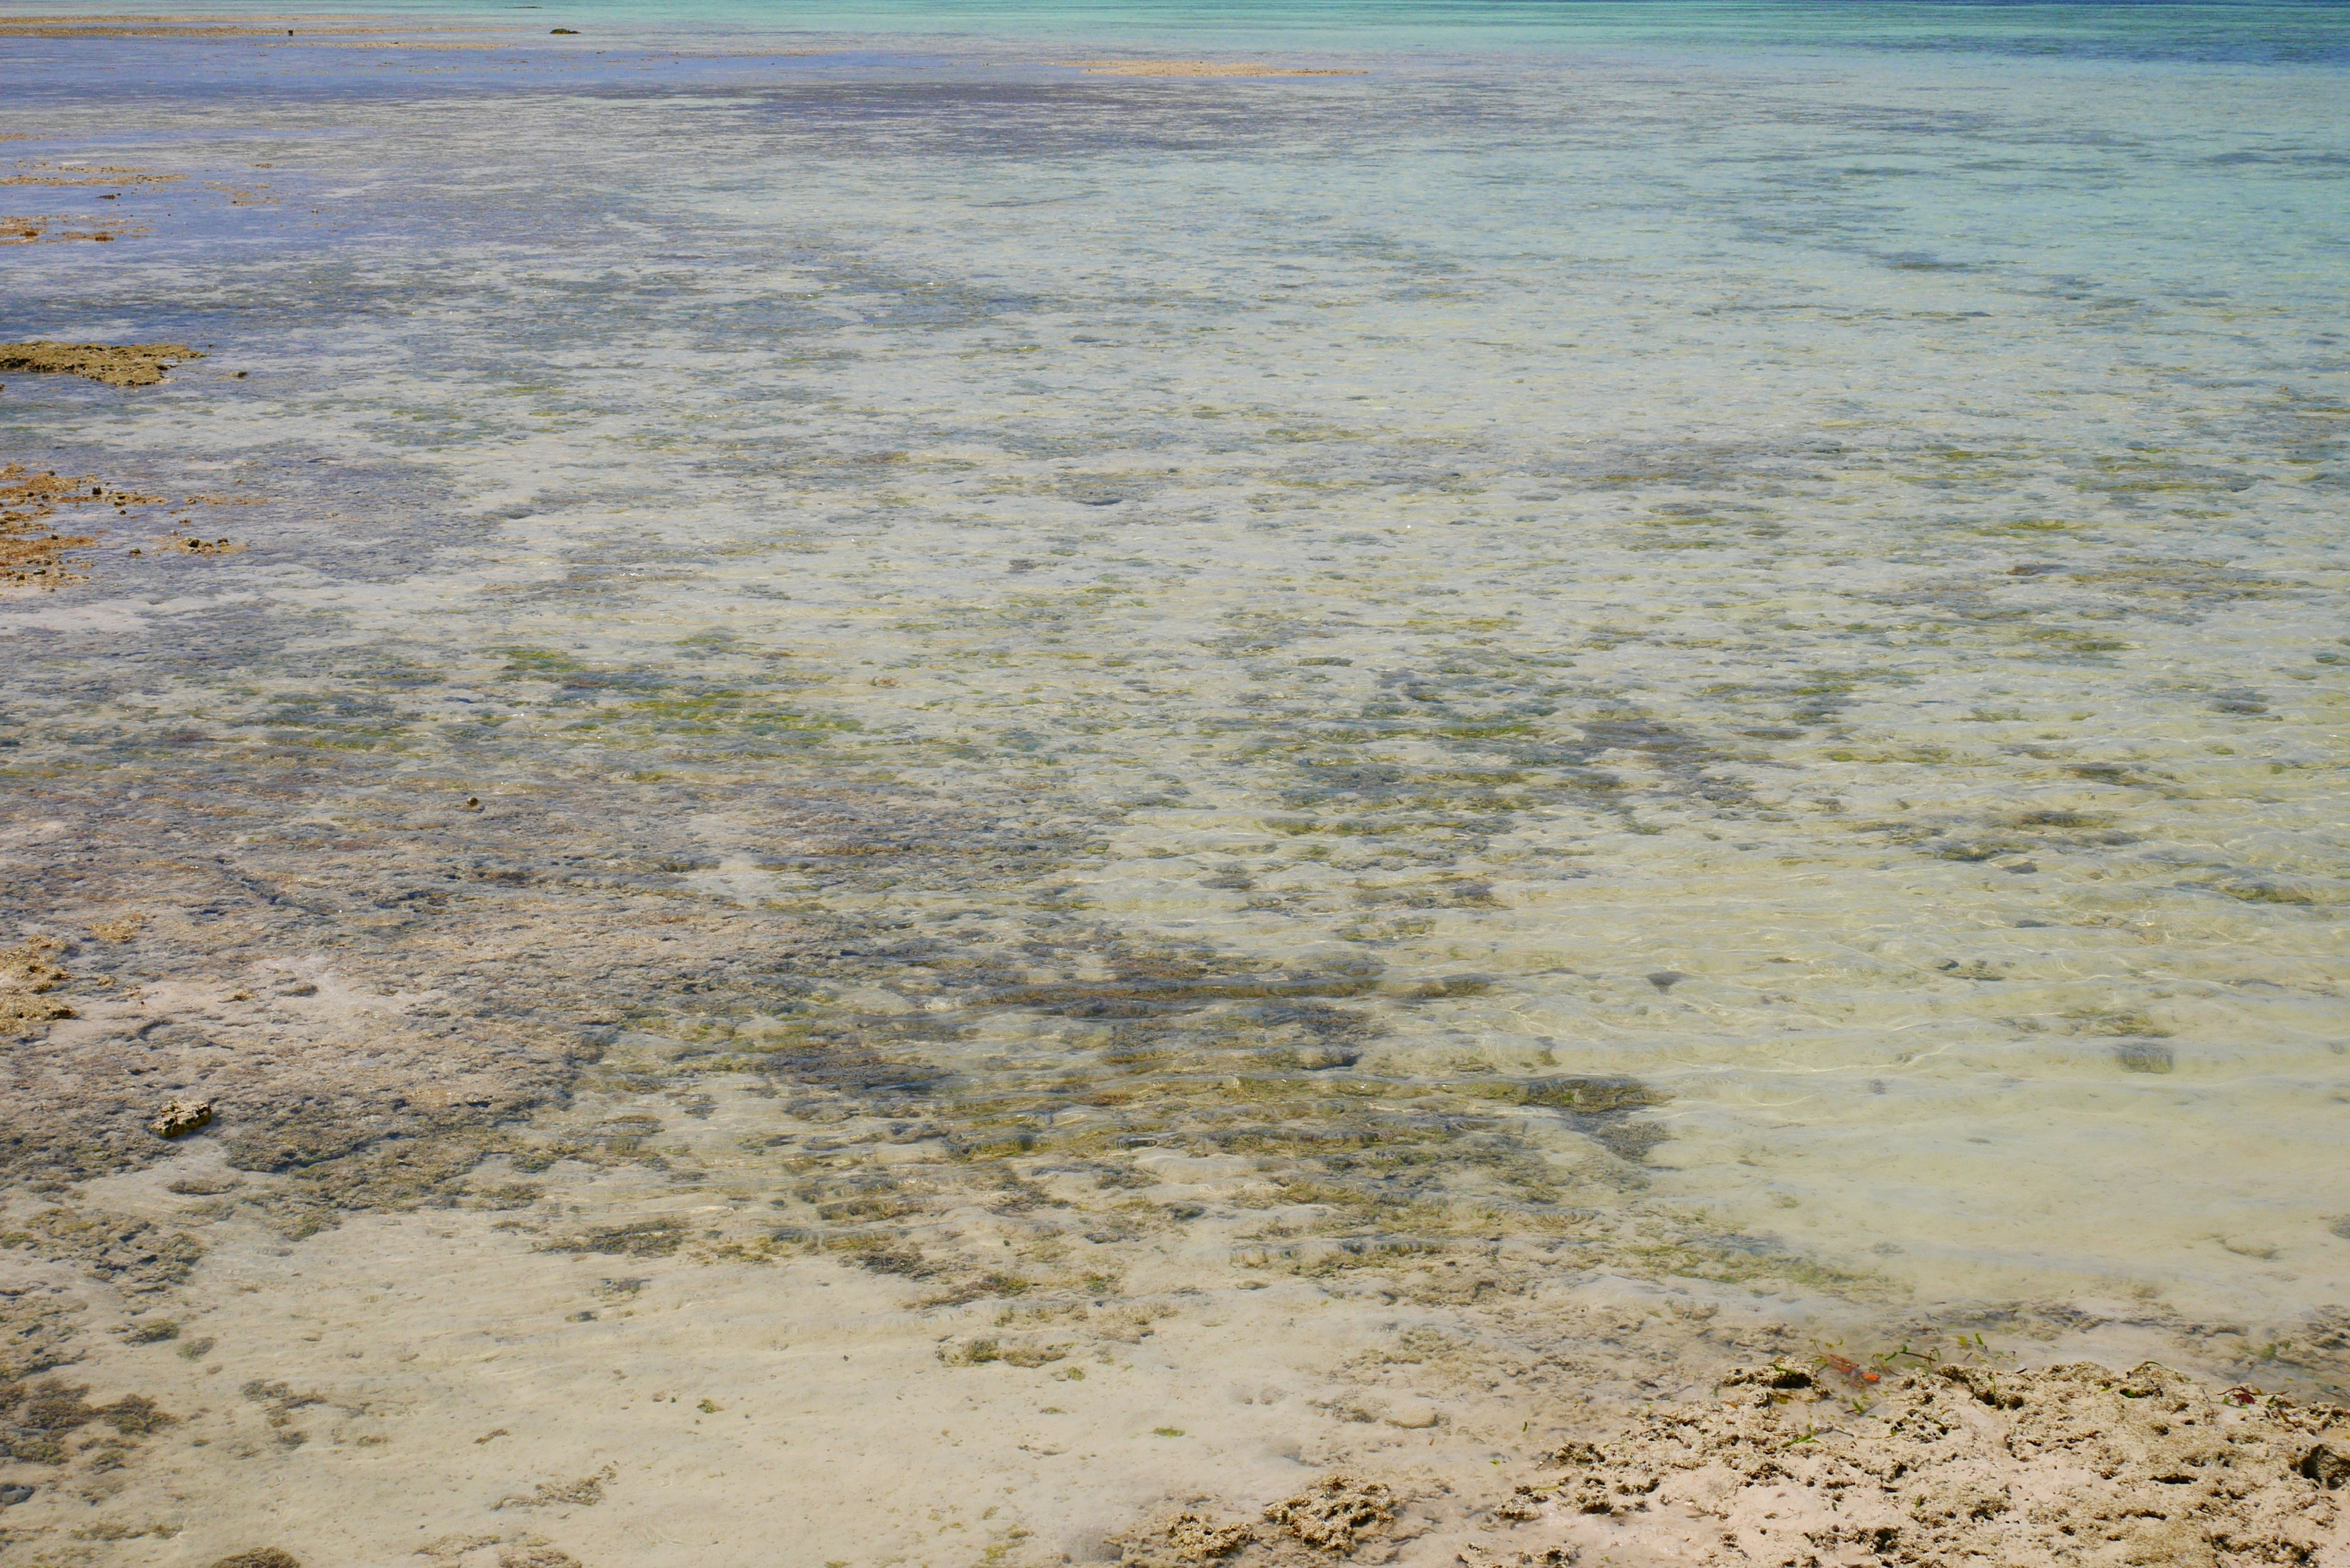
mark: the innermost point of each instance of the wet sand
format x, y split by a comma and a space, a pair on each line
422, 1385
655, 1308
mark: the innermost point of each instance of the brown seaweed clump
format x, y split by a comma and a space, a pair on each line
37, 1419
2067, 1465
116, 364
27, 975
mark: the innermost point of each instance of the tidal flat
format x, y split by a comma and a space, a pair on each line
888, 788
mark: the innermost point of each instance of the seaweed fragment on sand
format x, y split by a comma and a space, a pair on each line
36, 1333
653, 1237
134, 1255
584, 1492
1599, 1107
37, 1419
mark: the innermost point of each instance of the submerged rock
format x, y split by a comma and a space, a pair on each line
179, 1117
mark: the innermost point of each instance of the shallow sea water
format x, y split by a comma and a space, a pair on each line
1685, 657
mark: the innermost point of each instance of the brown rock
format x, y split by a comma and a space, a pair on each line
116, 364
1337, 1513
1182, 1540
179, 1117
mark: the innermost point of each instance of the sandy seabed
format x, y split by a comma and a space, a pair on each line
619, 1377
948, 902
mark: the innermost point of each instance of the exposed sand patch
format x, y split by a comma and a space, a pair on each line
425, 1383
1200, 69
116, 364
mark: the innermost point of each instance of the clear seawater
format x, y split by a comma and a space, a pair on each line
1711, 637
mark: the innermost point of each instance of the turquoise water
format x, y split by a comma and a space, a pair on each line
2138, 30
1696, 642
